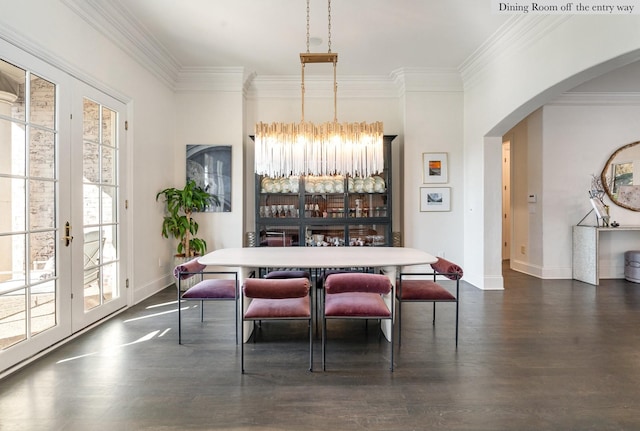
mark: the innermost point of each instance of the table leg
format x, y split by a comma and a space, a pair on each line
386, 324
243, 274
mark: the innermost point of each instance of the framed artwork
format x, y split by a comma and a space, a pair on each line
434, 168
435, 199
210, 167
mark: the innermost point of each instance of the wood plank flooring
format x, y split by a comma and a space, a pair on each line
540, 355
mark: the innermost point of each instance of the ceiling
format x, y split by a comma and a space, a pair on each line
372, 37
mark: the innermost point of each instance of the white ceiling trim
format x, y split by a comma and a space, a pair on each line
115, 24
517, 33
318, 86
17, 39
216, 79
593, 98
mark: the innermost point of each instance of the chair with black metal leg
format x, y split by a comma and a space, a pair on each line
224, 287
277, 299
355, 296
414, 287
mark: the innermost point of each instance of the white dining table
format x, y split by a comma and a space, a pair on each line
386, 259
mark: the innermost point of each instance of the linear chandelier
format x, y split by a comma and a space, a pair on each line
330, 148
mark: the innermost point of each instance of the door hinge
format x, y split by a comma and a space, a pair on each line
126, 204
126, 283
72, 296
126, 125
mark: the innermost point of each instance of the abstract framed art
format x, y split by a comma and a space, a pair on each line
435, 168
210, 167
435, 199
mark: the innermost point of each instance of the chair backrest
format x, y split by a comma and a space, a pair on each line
447, 269
276, 288
188, 269
357, 282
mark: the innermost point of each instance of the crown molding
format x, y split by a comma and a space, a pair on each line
317, 86
417, 79
14, 37
214, 79
113, 22
597, 99
513, 36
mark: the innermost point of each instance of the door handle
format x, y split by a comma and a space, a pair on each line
67, 234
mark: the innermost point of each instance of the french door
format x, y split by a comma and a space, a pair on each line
62, 230
95, 228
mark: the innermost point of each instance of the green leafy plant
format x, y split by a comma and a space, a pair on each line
178, 223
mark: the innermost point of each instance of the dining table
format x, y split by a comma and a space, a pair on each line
387, 260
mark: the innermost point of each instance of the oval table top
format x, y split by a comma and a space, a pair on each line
317, 257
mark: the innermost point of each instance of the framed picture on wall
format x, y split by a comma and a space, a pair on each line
435, 199
434, 168
210, 167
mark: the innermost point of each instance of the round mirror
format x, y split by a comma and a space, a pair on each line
618, 179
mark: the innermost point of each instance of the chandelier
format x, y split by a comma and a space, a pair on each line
330, 148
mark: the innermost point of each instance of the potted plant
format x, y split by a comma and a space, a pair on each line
180, 204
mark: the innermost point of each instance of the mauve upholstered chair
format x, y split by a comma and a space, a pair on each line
277, 299
355, 296
413, 287
209, 289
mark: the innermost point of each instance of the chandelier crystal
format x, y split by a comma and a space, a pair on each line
331, 148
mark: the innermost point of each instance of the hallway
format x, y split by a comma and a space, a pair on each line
540, 355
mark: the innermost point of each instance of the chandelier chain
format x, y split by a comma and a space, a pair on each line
330, 148
307, 26
329, 27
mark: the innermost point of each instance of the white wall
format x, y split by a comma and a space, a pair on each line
539, 58
83, 52
433, 124
578, 141
214, 118
526, 178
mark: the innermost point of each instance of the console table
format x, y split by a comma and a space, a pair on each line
586, 250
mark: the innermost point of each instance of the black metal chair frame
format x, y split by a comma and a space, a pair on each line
365, 318
258, 320
435, 275
202, 300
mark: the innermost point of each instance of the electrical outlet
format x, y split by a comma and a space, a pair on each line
159, 263
523, 249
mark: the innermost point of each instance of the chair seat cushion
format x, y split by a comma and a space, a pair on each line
358, 304
261, 308
424, 290
212, 289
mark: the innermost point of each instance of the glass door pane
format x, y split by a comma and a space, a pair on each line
28, 195
100, 203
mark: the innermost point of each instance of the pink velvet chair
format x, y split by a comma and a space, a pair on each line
277, 299
413, 287
355, 296
207, 289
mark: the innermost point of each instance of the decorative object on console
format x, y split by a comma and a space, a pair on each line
305, 148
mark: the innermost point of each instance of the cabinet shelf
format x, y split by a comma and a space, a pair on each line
343, 211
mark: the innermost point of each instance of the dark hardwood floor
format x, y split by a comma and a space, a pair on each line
540, 355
